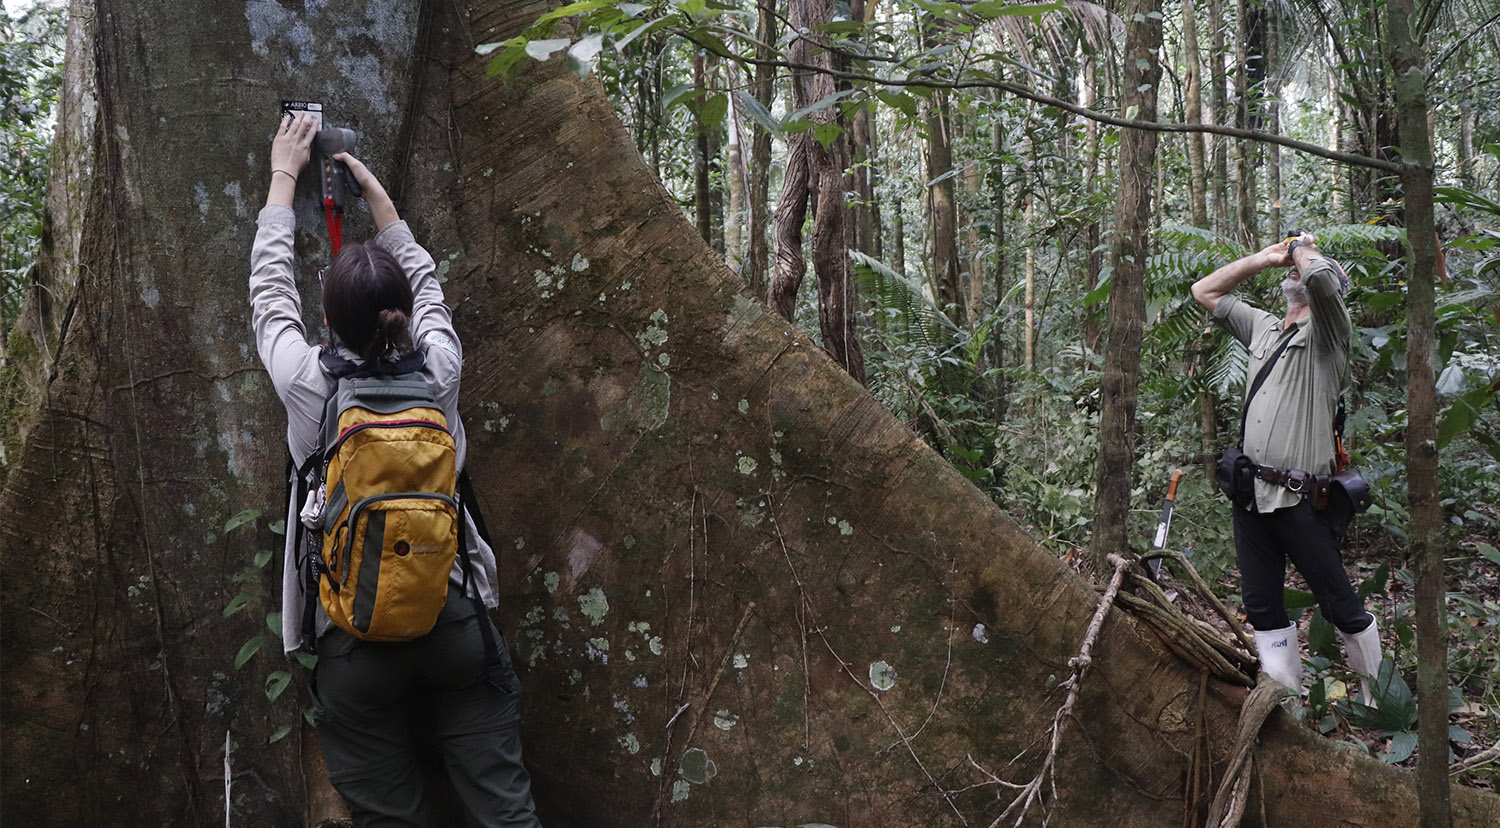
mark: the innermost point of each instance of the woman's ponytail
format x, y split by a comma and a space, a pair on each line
393, 331
368, 302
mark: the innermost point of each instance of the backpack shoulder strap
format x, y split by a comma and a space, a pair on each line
494, 665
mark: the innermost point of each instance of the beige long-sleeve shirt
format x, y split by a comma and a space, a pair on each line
304, 387
1289, 423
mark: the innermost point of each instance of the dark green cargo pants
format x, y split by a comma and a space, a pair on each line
376, 703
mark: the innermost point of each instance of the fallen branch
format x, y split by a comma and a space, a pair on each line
1483, 757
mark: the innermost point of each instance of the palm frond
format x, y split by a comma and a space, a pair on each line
904, 301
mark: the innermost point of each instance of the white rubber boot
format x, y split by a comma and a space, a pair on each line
1362, 650
1281, 656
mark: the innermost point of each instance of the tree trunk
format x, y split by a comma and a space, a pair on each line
898, 236
733, 221
1193, 103
1219, 82
1425, 547
866, 212
791, 214
1127, 294
686, 500
1028, 352
702, 156
1246, 229
999, 391
821, 165
1094, 266
942, 208
762, 85
1272, 105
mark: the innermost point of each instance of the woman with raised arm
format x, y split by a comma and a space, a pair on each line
373, 700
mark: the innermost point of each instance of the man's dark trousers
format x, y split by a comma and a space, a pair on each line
1264, 542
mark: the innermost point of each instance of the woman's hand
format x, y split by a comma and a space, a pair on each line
289, 152
381, 207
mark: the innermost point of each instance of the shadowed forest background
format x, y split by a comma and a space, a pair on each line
972, 214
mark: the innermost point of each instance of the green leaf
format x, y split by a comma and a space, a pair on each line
307, 660
756, 112
273, 622
581, 7
691, 8
585, 50
818, 106
899, 101
278, 528
236, 604
247, 516
280, 734
262, 558
826, 134
509, 58
676, 95
1464, 411
1490, 553
644, 28
990, 9
1297, 599
248, 649
276, 684
713, 111
1403, 745
1321, 637
1375, 584
541, 50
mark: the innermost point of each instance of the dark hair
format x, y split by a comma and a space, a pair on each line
368, 301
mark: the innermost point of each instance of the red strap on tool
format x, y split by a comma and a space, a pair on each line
335, 219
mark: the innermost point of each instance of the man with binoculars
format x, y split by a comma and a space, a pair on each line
1300, 365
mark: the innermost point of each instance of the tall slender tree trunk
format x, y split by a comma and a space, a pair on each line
1271, 103
999, 390
1028, 353
1425, 547
1094, 265
1193, 103
735, 183
703, 156
865, 214
942, 207
898, 235
762, 86
1244, 151
1219, 85
1127, 296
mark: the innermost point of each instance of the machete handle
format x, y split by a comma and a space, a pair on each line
1172, 487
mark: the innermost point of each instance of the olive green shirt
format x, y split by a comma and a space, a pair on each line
1289, 423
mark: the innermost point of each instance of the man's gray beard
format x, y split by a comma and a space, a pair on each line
1294, 291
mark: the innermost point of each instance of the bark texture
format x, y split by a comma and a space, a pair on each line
1127, 288
738, 592
1425, 547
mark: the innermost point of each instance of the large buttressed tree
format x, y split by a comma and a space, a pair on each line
737, 590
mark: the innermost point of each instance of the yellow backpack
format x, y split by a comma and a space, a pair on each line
385, 502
